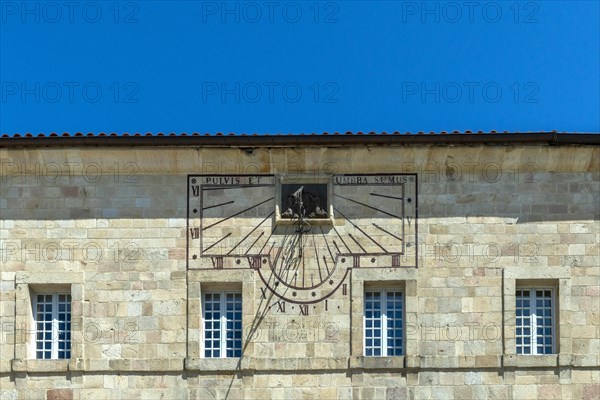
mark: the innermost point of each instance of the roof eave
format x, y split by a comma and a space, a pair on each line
529, 138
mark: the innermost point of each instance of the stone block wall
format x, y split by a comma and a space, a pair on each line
111, 226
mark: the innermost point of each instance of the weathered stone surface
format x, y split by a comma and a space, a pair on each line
489, 218
59, 394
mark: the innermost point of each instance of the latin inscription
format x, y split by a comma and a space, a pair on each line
236, 180
370, 179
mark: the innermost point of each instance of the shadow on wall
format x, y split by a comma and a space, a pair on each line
123, 193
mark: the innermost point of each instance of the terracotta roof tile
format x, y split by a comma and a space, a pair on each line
279, 137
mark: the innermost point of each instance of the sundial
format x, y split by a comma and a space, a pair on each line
302, 234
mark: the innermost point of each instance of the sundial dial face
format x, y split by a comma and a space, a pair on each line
302, 237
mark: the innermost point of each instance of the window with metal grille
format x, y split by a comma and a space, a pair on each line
52, 326
383, 322
222, 322
535, 323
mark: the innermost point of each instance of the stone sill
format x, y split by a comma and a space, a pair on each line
215, 364
20, 365
387, 363
311, 221
530, 361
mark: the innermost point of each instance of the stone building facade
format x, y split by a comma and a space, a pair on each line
460, 266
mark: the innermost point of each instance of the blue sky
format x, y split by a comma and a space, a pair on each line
299, 66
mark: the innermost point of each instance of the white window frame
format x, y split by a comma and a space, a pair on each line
384, 319
223, 321
54, 327
533, 326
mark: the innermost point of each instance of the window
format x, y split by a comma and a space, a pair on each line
383, 322
222, 321
52, 315
535, 321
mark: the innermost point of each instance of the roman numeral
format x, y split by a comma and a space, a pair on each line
217, 262
303, 309
345, 288
281, 306
356, 261
395, 261
194, 233
196, 190
326, 305
254, 262
263, 292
